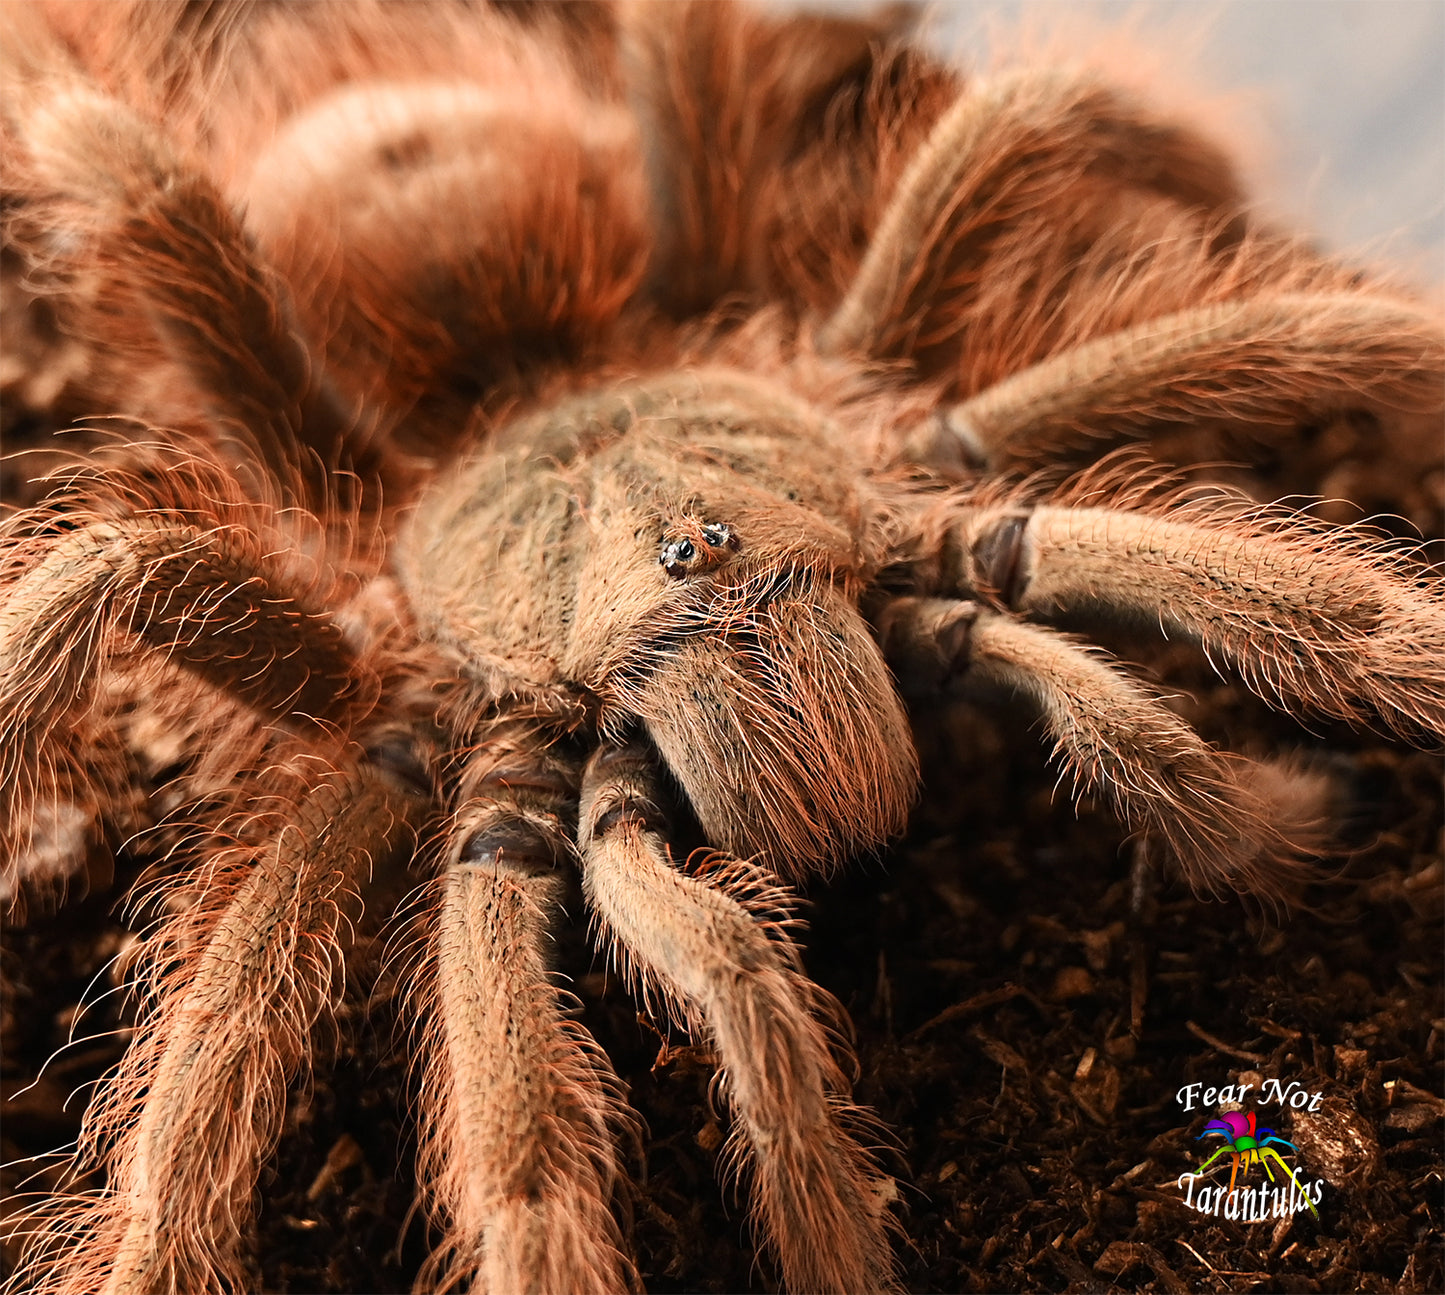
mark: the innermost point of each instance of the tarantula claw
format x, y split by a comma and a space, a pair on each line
631, 812
998, 554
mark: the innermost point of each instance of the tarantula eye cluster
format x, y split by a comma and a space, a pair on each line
696, 547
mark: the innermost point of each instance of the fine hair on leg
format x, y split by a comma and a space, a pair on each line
521, 1110
1116, 739
1007, 141
1331, 619
708, 943
234, 985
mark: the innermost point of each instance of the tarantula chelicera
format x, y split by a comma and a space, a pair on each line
567, 436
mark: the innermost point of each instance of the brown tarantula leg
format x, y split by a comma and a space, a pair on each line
1114, 737
209, 597
1319, 616
148, 220
1005, 142
1270, 360
206, 594
703, 942
521, 1106
238, 981
728, 97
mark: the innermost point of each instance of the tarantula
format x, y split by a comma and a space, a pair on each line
566, 436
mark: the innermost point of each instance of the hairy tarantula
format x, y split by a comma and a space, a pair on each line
552, 441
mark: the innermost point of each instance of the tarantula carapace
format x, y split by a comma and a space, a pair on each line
568, 435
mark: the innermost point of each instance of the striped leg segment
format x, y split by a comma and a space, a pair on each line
1273, 360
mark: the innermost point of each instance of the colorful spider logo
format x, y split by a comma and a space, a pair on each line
1248, 1146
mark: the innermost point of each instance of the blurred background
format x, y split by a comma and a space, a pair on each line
1337, 107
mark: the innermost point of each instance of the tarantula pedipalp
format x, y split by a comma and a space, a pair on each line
653, 556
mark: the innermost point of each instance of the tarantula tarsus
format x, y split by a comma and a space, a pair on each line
584, 428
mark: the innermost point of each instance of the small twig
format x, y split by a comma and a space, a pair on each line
1197, 1255
1220, 1046
989, 998
1141, 916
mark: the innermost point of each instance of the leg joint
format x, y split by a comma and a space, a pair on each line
514, 840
